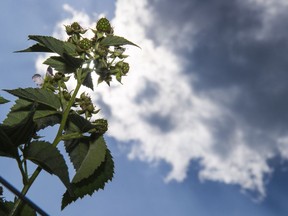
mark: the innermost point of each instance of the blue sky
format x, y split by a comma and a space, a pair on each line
199, 126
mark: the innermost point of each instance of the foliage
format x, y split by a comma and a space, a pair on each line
52, 104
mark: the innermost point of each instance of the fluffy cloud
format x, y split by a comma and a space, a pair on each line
207, 85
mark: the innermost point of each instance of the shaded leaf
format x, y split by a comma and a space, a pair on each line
49, 120
77, 150
19, 126
49, 158
55, 45
97, 181
77, 123
65, 65
7, 206
42, 96
22, 105
44, 113
112, 40
3, 100
7, 148
88, 82
35, 48
15, 118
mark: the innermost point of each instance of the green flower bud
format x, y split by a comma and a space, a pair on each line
66, 95
58, 76
101, 125
83, 96
118, 51
125, 67
75, 26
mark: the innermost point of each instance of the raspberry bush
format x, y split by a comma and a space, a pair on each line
52, 104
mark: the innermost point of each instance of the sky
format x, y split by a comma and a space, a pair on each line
199, 125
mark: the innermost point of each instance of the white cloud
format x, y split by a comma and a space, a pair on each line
191, 118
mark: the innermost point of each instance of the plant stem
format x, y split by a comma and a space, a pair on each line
19, 202
22, 170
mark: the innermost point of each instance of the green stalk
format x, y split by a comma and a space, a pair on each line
22, 170
19, 203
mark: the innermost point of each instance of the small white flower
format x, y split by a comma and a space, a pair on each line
38, 79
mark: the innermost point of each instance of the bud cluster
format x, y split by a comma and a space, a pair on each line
86, 105
107, 62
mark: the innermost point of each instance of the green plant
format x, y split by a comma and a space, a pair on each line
52, 104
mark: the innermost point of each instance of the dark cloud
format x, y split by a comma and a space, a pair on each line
162, 122
233, 47
148, 94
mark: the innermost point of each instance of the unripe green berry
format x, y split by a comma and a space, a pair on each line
103, 25
125, 67
66, 95
85, 44
101, 125
75, 26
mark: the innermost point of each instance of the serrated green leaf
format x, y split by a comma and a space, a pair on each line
19, 126
35, 48
112, 40
21, 105
3, 100
55, 45
88, 186
88, 82
42, 96
49, 158
77, 150
46, 121
44, 113
67, 65
77, 123
15, 118
93, 159
7, 148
